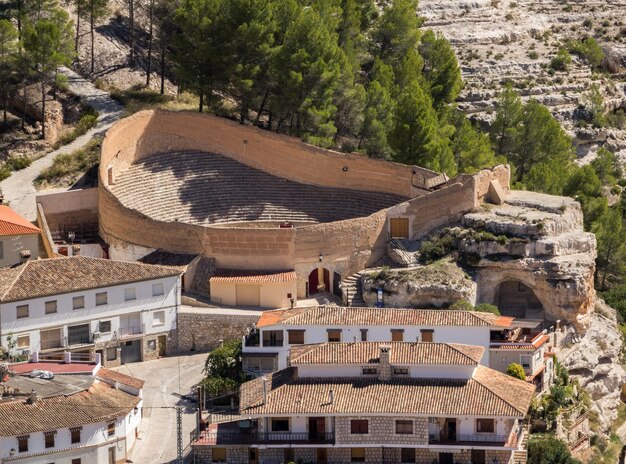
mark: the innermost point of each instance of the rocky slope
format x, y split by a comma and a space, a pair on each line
500, 41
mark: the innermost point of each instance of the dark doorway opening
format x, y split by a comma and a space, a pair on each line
518, 300
319, 281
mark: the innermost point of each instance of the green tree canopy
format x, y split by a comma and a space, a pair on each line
441, 68
8, 58
516, 370
547, 449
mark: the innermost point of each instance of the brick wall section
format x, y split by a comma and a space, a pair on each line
203, 331
381, 431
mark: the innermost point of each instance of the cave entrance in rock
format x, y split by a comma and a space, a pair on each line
518, 300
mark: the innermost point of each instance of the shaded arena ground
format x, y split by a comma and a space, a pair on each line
205, 188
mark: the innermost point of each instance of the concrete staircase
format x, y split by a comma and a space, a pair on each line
352, 287
521, 455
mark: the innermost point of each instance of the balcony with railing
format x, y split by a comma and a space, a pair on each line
231, 434
52, 344
130, 331
450, 438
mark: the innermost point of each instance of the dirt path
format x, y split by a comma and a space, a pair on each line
18, 189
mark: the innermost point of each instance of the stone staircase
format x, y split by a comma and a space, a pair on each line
402, 252
352, 287
521, 455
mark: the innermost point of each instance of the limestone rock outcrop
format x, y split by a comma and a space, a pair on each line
29, 100
437, 285
595, 362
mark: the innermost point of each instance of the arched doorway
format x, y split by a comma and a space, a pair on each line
518, 300
319, 281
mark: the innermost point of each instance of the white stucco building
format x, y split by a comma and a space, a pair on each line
72, 419
124, 311
19, 239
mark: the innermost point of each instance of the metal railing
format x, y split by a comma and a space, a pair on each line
475, 438
51, 344
129, 331
270, 342
248, 438
78, 339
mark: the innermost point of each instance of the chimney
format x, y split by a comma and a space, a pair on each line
32, 399
331, 396
75, 249
384, 367
264, 379
24, 256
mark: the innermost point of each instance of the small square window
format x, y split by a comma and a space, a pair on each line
101, 298
51, 307
22, 443
359, 426
157, 289
110, 429
104, 326
151, 345
22, 311
218, 454
397, 335
158, 318
404, 427
357, 455
130, 294
280, 425
427, 335
76, 461
485, 426
23, 341
400, 371
78, 302
407, 455
370, 371
296, 337
334, 335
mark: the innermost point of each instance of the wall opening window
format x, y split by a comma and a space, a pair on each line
363, 335
218, 454
280, 425
289, 455
525, 362
427, 336
158, 318
75, 434
334, 335
272, 338
23, 341
397, 335
49, 439
400, 371
296, 337
104, 326
22, 443
22, 311
369, 371
359, 426
78, 302
157, 289
485, 426
76, 461
404, 427
51, 307
357, 455
110, 429
130, 294
101, 298
407, 455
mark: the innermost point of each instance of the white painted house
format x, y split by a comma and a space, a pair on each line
266, 349
124, 311
401, 402
19, 239
72, 419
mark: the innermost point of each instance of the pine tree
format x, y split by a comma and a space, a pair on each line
611, 235
8, 49
441, 68
93, 11
48, 45
396, 32
471, 147
508, 116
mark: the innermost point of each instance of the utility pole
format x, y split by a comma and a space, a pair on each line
179, 430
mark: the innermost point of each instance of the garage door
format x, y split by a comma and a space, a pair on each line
131, 351
399, 227
248, 295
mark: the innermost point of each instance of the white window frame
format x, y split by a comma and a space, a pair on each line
75, 299
56, 307
155, 318
106, 298
158, 289
130, 294
17, 311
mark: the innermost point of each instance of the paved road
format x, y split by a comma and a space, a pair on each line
157, 433
18, 189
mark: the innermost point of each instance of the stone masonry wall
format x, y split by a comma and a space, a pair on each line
381, 430
198, 330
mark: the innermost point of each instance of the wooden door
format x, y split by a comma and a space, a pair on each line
248, 295
322, 455
253, 456
162, 345
478, 457
399, 227
446, 458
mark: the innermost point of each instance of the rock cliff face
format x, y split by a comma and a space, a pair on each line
437, 285
541, 247
595, 362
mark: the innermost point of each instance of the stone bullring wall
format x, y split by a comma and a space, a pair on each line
200, 329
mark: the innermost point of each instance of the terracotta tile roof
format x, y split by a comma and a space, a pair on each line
54, 367
489, 393
503, 321
243, 276
12, 223
62, 275
167, 258
342, 316
100, 403
114, 376
400, 353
